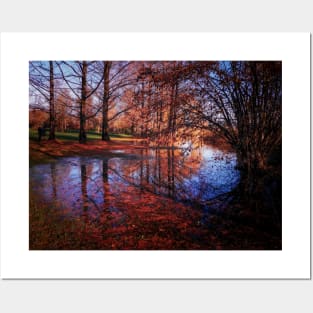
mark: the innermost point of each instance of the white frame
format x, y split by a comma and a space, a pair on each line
292, 262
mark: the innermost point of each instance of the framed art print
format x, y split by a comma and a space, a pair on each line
149, 155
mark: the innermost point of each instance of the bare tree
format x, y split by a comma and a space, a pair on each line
51, 102
117, 78
105, 100
241, 102
80, 78
41, 79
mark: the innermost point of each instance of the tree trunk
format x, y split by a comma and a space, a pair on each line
172, 115
82, 113
251, 160
105, 104
51, 103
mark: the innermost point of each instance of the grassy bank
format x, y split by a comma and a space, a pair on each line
66, 144
73, 135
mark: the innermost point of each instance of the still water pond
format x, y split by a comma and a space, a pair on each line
128, 199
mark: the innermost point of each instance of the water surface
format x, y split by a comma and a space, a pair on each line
140, 199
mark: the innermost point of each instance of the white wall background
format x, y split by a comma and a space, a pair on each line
156, 296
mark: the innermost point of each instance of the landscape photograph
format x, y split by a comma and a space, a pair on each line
155, 155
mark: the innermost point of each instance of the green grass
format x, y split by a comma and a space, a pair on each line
121, 136
73, 135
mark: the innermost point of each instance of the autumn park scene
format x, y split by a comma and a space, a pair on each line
155, 155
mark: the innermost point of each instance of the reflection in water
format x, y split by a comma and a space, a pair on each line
151, 199
105, 170
53, 178
84, 196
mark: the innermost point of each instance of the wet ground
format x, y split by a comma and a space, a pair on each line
137, 199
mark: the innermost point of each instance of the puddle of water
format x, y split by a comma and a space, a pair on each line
143, 197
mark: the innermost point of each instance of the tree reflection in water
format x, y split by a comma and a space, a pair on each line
151, 199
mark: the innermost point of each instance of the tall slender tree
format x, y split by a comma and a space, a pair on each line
42, 82
51, 102
80, 78
105, 101
82, 109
